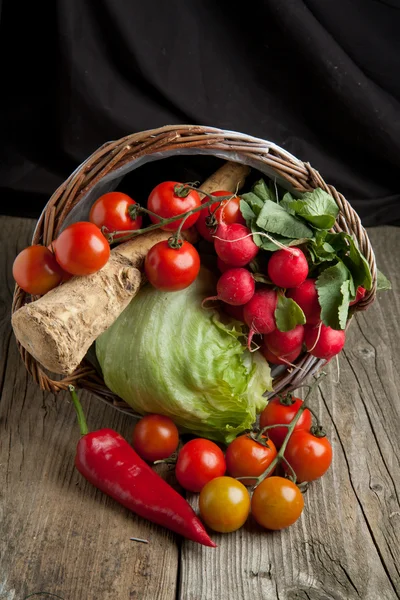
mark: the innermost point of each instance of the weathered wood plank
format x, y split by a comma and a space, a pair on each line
346, 546
57, 533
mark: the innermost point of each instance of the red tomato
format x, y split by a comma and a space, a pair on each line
308, 455
228, 212
155, 437
36, 270
81, 249
166, 204
276, 503
276, 412
65, 275
171, 269
224, 504
111, 211
245, 457
198, 462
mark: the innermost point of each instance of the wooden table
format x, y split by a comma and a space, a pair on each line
59, 535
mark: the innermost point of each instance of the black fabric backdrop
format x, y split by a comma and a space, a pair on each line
318, 77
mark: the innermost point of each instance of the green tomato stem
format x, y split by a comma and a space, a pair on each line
149, 212
279, 457
314, 414
294, 476
162, 222
273, 426
290, 427
179, 230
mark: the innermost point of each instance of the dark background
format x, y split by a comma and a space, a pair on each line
321, 78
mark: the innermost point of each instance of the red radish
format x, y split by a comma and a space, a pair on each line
359, 295
285, 342
259, 312
234, 311
323, 341
288, 268
235, 286
280, 360
306, 296
223, 266
233, 246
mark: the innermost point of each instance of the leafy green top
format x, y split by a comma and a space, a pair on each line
334, 259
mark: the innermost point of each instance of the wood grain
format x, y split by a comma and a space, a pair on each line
57, 533
346, 546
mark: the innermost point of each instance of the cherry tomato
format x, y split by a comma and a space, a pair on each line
81, 249
276, 412
199, 461
111, 211
65, 275
166, 203
309, 456
276, 503
36, 270
171, 269
224, 504
245, 457
228, 212
155, 437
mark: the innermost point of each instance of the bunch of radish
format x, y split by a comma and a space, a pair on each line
255, 305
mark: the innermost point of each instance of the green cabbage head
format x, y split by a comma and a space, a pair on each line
166, 354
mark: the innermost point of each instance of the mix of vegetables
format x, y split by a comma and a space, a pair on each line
167, 354
192, 352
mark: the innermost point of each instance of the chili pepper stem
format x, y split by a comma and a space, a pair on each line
79, 411
171, 460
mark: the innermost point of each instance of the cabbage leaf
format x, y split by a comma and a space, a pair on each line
166, 354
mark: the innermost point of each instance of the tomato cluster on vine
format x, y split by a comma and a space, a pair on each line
258, 472
80, 249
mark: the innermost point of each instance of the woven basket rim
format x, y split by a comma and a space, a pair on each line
116, 153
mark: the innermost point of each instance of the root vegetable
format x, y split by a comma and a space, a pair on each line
284, 359
223, 266
259, 312
288, 268
282, 343
323, 341
234, 244
58, 328
235, 287
234, 311
306, 296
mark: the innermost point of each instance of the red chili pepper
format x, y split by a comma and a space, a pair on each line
108, 462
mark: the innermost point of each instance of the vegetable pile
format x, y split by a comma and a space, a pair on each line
238, 284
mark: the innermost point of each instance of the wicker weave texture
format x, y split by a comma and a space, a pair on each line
300, 176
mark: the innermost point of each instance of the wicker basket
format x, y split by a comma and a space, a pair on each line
106, 167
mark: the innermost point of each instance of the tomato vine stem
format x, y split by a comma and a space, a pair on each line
290, 428
127, 236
